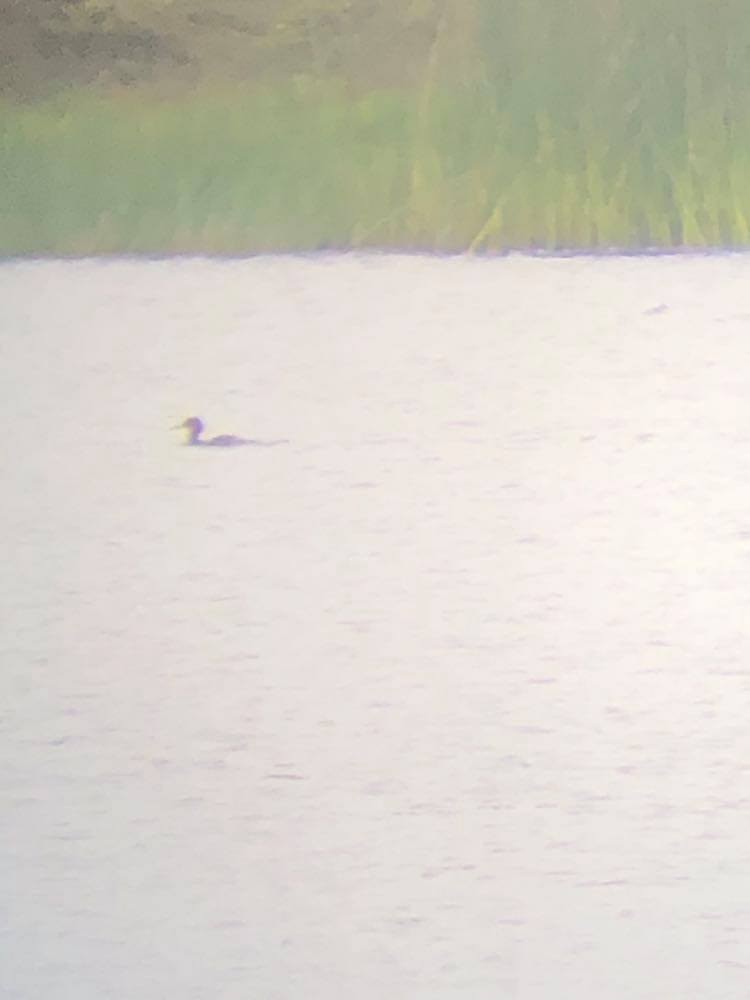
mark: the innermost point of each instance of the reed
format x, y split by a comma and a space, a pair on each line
575, 129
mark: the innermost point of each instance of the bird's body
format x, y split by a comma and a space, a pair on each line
194, 427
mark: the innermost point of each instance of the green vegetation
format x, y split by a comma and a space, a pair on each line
514, 123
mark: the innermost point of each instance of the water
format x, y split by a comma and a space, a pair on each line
447, 697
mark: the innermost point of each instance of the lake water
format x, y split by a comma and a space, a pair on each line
446, 697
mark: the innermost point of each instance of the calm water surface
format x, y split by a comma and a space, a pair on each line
447, 697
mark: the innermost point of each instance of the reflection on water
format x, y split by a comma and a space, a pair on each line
447, 697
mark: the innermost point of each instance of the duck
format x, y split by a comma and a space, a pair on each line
194, 426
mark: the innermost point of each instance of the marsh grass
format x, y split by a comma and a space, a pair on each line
214, 174
634, 133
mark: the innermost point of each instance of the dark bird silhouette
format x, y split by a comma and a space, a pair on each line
194, 427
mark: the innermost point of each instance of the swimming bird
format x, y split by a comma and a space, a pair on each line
194, 427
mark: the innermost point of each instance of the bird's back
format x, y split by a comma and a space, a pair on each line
226, 441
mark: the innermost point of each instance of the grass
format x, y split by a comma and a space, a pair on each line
303, 167
251, 172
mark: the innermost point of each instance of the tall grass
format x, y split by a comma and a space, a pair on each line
217, 173
579, 124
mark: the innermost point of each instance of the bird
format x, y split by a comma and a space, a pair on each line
194, 427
